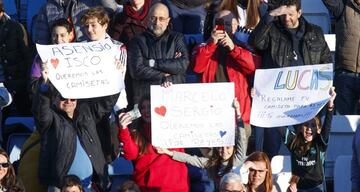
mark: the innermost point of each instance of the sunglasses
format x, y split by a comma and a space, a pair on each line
4, 165
66, 99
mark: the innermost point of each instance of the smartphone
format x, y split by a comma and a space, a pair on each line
135, 113
220, 24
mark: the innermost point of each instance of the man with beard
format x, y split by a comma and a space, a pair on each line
286, 39
157, 56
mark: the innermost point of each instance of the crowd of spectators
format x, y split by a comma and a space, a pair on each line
75, 139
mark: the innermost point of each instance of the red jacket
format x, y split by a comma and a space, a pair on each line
152, 171
239, 66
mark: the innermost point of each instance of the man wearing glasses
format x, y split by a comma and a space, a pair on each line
157, 56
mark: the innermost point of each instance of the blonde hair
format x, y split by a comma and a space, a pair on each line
230, 5
253, 14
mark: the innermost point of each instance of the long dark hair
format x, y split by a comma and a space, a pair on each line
214, 163
298, 144
137, 130
9, 181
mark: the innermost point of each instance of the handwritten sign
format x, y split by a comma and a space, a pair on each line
291, 95
83, 70
193, 115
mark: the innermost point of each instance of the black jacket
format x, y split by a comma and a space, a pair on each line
58, 136
15, 55
275, 41
162, 50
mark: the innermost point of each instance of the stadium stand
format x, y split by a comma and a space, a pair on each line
342, 173
315, 12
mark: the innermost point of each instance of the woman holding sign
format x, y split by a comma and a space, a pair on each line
152, 171
308, 145
223, 159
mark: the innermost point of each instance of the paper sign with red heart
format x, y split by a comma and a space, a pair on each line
54, 62
160, 110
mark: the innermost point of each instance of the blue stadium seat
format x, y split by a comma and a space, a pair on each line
315, 12
120, 170
32, 10
191, 40
120, 166
10, 8
27, 121
343, 128
15, 143
342, 181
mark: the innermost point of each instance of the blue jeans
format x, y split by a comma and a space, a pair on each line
319, 188
347, 86
187, 21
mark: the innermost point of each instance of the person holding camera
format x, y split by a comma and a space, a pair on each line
152, 171
220, 60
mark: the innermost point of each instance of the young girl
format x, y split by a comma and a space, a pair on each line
223, 159
152, 171
308, 146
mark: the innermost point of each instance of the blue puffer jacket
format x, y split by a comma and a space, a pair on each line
54, 10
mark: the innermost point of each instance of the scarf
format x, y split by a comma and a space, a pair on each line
129, 11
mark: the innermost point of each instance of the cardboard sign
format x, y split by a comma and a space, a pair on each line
83, 70
193, 115
291, 95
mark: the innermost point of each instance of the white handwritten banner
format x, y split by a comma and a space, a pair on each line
193, 115
83, 70
291, 95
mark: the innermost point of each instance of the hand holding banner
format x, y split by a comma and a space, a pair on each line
291, 95
193, 115
83, 70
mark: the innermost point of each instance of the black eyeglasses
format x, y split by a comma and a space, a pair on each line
4, 165
260, 171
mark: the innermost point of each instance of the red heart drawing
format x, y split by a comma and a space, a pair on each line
54, 62
160, 110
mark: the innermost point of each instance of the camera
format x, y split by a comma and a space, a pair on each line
220, 24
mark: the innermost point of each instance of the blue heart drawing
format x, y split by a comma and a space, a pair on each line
222, 133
